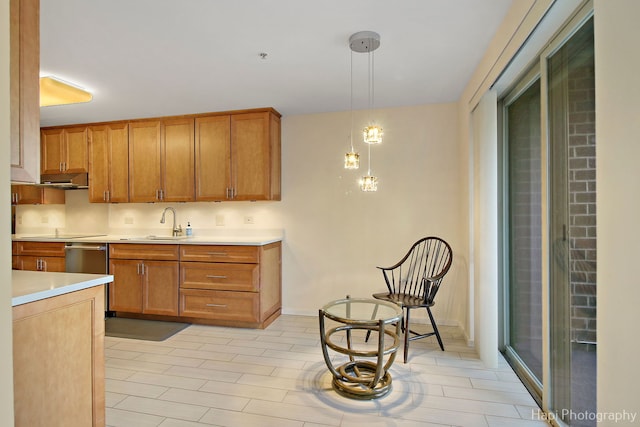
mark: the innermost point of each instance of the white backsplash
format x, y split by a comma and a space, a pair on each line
138, 219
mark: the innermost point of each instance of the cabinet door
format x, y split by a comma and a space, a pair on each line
109, 163
125, 293
24, 89
119, 163
29, 263
98, 164
144, 161
213, 158
177, 160
75, 150
53, 264
28, 194
51, 150
251, 156
160, 284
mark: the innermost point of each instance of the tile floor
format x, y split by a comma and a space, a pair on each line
215, 376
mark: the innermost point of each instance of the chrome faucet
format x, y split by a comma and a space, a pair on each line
176, 230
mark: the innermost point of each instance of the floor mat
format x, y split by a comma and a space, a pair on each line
149, 330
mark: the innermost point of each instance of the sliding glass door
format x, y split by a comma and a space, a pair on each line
550, 228
572, 293
524, 293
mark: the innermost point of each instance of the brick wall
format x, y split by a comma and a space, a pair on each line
582, 201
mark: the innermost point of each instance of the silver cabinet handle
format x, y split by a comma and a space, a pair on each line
216, 305
87, 248
210, 276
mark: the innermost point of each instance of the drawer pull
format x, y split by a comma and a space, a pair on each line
217, 253
209, 276
216, 305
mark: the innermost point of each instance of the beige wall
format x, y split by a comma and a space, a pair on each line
335, 235
618, 150
6, 364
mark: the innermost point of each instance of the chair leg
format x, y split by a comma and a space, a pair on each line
435, 328
405, 322
373, 316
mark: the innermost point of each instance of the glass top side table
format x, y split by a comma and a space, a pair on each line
365, 375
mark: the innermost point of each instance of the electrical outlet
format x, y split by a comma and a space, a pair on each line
128, 220
249, 220
44, 219
20, 220
219, 220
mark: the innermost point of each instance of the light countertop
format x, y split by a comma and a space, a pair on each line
29, 286
239, 239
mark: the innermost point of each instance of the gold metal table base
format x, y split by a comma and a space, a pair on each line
357, 381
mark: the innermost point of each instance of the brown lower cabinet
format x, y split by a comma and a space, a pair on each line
58, 360
211, 284
39, 256
231, 285
145, 279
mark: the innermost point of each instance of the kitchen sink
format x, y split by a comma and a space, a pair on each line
165, 237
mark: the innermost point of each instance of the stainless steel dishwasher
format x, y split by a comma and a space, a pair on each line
88, 257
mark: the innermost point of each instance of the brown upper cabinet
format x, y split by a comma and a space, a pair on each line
109, 163
36, 195
224, 156
64, 150
161, 161
25, 90
238, 157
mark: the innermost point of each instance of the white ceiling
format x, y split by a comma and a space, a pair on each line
149, 58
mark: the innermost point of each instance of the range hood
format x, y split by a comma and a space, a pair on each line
65, 180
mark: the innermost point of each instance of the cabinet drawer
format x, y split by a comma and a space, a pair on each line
219, 276
41, 263
219, 253
142, 251
220, 305
41, 248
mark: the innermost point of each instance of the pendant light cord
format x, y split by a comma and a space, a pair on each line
351, 103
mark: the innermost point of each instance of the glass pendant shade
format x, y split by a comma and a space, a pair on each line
372, 134
351, 160
369, 183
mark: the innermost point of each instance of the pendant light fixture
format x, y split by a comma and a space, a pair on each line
366, 42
